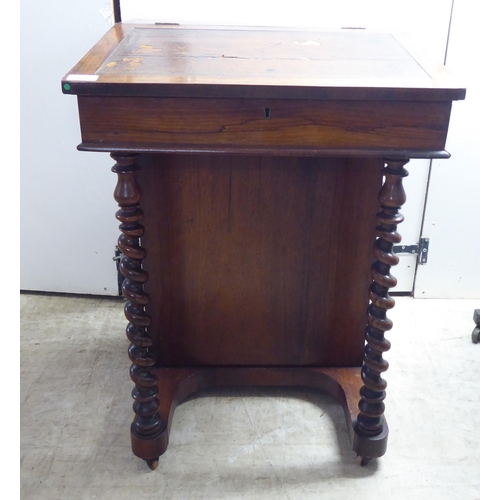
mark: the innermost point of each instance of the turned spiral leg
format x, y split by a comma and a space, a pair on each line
148, 429
370, 420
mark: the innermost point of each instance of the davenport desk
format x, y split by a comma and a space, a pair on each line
259, 187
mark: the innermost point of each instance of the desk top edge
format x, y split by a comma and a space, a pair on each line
233, 77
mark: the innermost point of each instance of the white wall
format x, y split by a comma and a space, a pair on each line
68, 230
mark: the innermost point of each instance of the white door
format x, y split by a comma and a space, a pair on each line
452, 214
427, 21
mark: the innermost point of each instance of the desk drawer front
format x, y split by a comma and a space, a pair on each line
175, 124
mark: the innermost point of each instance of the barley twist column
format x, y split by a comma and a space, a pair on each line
370, 421
148, 430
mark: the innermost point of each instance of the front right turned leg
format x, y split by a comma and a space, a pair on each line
371, 429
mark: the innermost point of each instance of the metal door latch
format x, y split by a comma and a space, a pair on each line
421, 250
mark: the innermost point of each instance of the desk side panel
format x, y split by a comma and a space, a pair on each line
258, 261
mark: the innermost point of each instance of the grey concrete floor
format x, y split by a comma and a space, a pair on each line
249, 444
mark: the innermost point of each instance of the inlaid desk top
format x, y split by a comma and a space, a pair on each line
192, 61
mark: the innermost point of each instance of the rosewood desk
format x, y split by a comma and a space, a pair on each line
261, 170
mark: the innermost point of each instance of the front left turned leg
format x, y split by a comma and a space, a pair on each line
148, 430
371, 428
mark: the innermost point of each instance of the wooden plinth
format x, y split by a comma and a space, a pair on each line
176, 384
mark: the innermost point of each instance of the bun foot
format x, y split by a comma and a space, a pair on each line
153, 463
476, 335
362, 460
476, 331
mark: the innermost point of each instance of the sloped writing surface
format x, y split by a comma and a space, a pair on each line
238, 56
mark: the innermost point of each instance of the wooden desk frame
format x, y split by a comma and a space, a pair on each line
159, 124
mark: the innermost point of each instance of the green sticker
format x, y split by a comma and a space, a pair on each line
67, 86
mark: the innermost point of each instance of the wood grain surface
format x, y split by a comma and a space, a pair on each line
258, 260
216, 124
193, 61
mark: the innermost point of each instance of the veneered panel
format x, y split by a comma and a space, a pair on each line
258, 260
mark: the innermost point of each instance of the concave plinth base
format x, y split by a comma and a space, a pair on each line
176, 384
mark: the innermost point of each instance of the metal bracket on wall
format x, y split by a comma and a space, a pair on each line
421, 250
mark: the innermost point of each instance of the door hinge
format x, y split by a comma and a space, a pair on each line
421, 250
